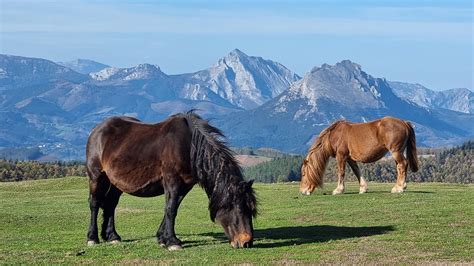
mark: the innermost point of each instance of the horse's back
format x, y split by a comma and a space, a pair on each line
370, 141
394, 132
103, 132
136, 156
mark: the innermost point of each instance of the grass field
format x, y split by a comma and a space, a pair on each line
46, 221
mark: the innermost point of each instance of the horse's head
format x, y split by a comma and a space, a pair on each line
306, 186
236, 217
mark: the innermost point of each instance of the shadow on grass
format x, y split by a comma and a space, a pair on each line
379, 192
297, 235
418, 192
186, 243
137, 239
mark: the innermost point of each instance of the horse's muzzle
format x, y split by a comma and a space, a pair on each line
243, 244
305, 192
242, 240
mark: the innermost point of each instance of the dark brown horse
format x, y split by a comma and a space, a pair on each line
146, 160
362, 142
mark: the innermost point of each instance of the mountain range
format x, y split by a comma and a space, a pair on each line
257, 102
459, 99
293, 119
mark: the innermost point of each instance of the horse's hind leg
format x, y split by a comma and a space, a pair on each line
356, 170
111, 200
341, 168
402, 165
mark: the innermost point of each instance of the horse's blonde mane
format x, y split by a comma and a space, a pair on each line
318, 156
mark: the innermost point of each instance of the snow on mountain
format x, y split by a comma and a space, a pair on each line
84, 66
460, 100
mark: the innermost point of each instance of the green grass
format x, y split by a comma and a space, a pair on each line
45, 221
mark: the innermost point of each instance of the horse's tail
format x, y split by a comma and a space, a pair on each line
411, 149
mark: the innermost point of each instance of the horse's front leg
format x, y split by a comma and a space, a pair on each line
341, 168
93, 234
166, 235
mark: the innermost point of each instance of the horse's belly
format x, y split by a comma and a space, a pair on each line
149, 190
368, 155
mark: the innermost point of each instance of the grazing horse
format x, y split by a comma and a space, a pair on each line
147, 160
359, 142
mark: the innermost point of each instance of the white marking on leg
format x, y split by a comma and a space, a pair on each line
397, 189
174, 247
363, 185
91, 243
339, 190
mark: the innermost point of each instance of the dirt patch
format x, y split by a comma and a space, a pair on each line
251, 160
148, 262
128, 210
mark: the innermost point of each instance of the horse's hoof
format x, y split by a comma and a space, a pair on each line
115, 242
174, 247
397, 190
337, 192
92, 243
362, 190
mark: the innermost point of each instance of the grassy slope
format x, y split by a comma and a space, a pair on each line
46, 221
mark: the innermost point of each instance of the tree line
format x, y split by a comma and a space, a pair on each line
15, 170
454, 165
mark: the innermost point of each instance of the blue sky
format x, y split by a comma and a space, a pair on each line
426, 42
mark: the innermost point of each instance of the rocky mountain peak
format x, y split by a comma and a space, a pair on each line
237, 53
139, 72
84, 66
344, 82
246, 81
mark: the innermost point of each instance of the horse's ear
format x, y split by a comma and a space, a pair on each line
305, 161
250, 183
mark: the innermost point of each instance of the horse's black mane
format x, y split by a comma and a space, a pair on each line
216, 168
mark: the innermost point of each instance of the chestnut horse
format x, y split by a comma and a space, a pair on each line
359, 142
147, 160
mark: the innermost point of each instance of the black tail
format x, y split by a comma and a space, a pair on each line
411, 149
